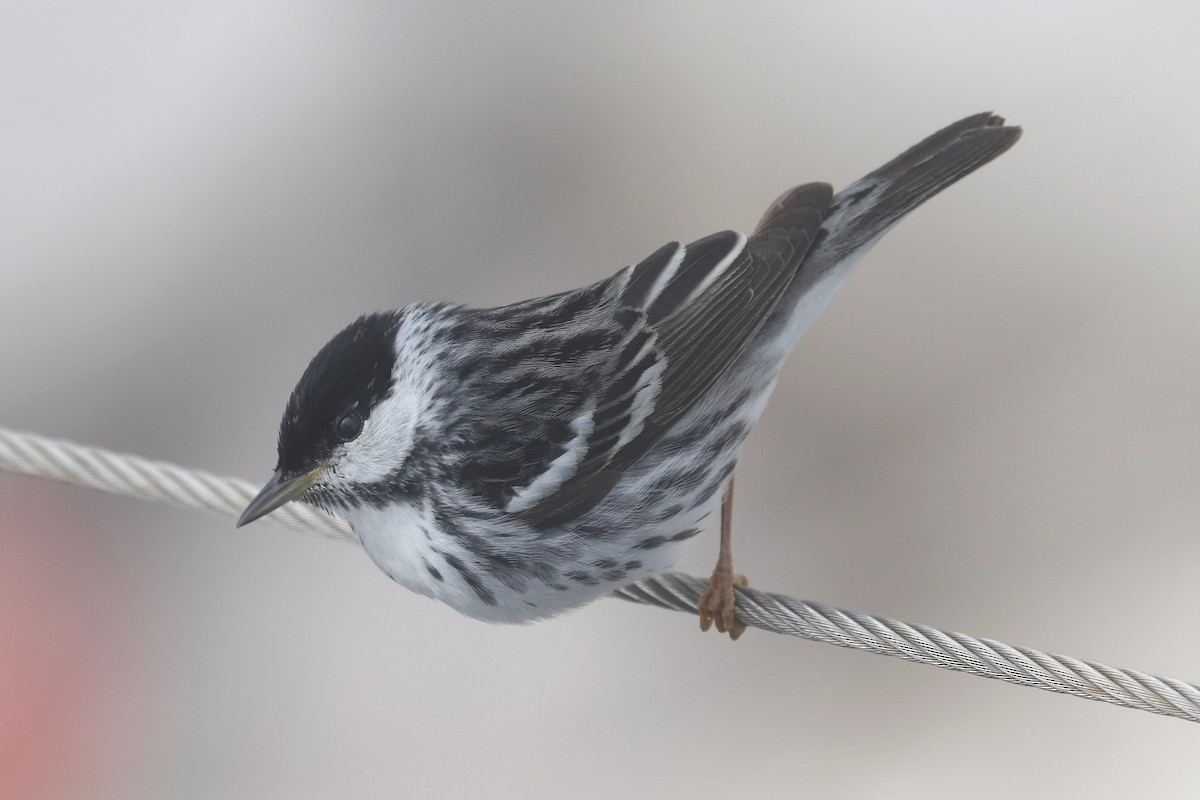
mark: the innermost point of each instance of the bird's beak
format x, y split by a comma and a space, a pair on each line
279, 490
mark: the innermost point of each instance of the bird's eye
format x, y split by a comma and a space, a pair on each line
349, 426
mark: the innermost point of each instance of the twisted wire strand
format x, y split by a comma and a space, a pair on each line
133, 476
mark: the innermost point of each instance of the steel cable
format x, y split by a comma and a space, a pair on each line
133, 476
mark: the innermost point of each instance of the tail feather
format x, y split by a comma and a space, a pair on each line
864, 210
948, 136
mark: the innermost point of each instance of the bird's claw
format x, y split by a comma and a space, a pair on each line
717, 603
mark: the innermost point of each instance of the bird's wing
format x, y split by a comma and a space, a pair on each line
589, 381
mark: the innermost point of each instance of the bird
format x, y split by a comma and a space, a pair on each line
520, 461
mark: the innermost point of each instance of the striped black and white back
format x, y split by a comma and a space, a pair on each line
519, 461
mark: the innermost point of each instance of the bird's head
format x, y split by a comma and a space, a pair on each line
346, 428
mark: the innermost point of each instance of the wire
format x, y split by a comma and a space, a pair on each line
133, 476
159, 481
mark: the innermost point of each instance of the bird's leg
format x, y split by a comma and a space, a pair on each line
717, 602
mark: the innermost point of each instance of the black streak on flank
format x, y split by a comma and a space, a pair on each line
437, 576
728, 439
498, 564
353, 370
472, 580
652, 542
670, 512
579, 576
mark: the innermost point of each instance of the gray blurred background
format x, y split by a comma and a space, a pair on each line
993, 429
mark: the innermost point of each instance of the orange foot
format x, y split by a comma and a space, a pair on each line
717, 603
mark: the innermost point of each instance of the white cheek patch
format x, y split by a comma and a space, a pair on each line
384, 444
389, 433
